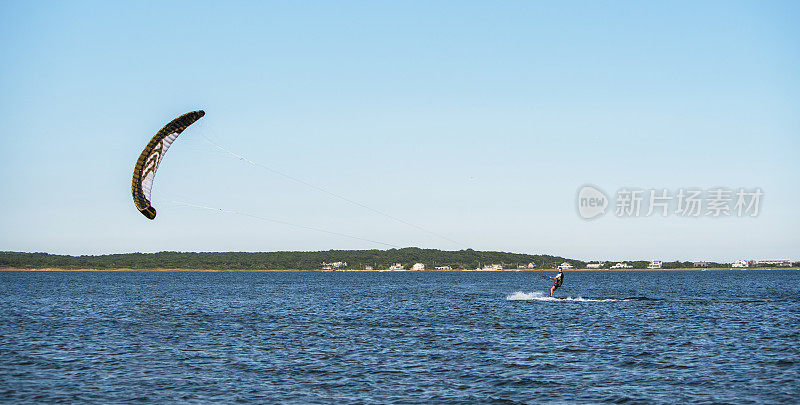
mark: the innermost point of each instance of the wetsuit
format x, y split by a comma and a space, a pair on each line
559, 280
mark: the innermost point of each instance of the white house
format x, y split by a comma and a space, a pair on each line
368, 268
333, 266
783, 263
621, 266
595, 265
655, 264
739, 263
396, 267
418, 267
444, 268
565, 266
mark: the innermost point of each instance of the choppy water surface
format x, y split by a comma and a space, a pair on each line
714, 336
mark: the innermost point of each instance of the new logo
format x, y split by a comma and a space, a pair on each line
592, 202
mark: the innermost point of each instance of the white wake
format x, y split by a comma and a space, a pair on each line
541, 296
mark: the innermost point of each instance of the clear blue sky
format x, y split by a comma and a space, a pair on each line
476, 120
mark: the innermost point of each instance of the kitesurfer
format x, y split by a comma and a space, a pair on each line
559, 278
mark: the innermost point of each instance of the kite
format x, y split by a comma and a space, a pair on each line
146, 166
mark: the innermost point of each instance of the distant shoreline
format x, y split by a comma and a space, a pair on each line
389, 271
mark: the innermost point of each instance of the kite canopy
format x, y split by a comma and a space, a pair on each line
146, 166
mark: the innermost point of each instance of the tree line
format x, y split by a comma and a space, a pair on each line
356, 259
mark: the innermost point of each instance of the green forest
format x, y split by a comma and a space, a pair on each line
356, 259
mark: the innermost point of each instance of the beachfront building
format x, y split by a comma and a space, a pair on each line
621, 266
531, 265
655, 264
490, 267
595, 265
782, 263
418, 267
333, 266
368, 268
396, 267
565, 265
444, 268
740, 263
700, 264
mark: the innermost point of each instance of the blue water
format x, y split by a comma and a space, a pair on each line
656, 337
